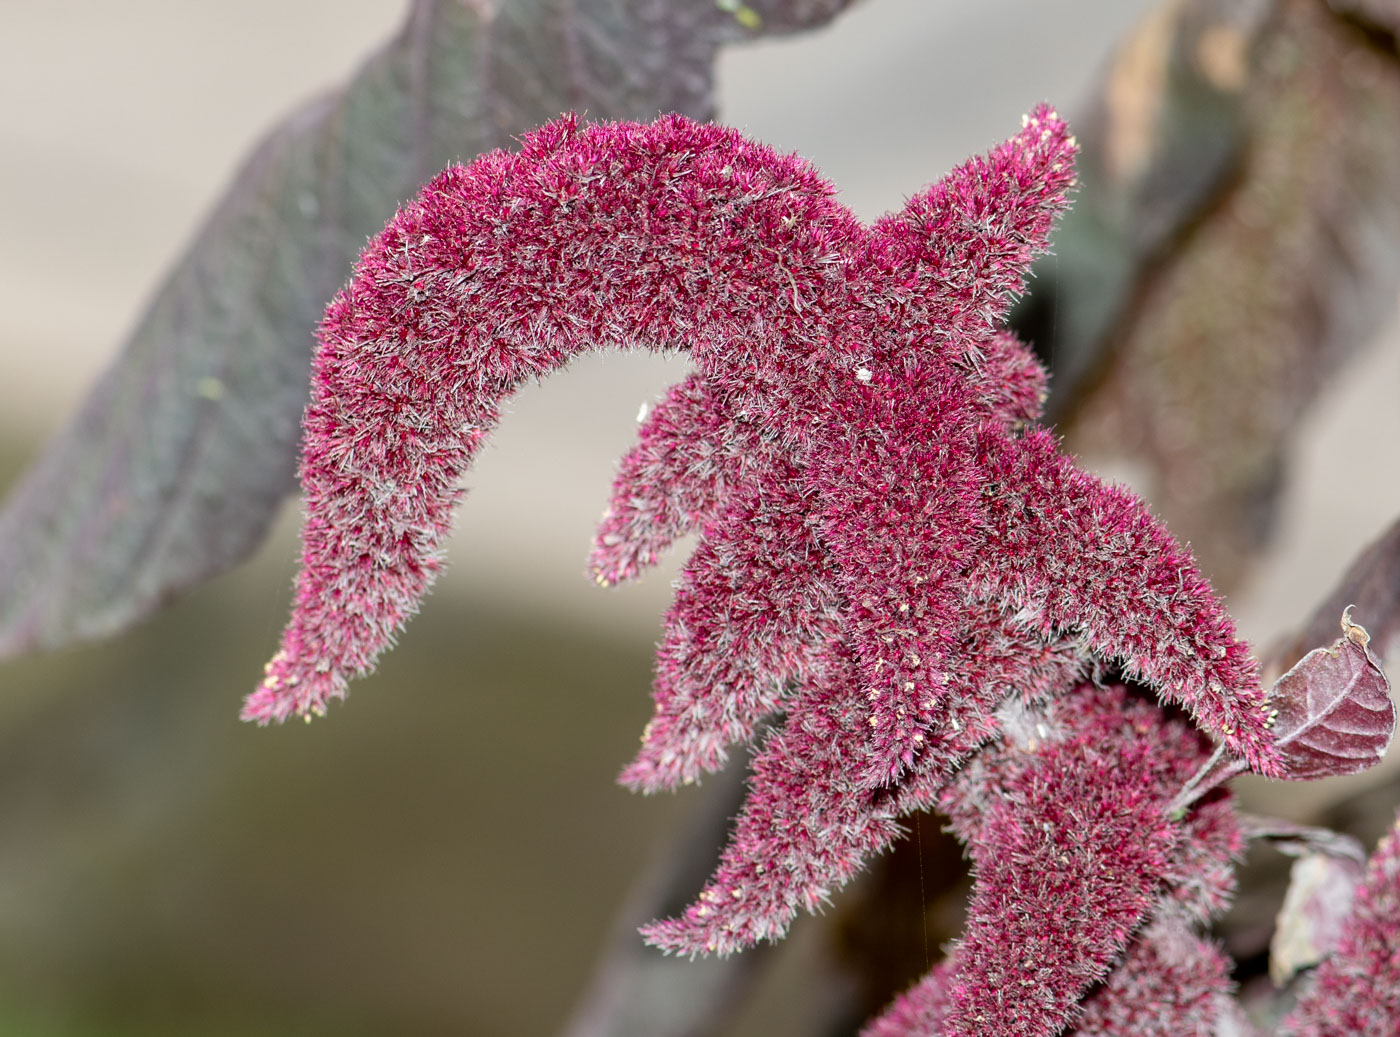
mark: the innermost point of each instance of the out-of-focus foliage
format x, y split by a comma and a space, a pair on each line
1238, 239
1371, 586
177, 461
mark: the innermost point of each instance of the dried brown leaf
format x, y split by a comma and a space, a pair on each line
1309, 922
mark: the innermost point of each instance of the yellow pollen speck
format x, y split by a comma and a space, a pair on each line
742, 12
874, 721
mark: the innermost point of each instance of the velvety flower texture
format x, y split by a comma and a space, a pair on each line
887, 553
1088, 898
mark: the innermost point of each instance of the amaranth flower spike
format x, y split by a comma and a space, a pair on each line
1089, 896
885, 555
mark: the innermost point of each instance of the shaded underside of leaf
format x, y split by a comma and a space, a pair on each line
1250, 183
177, 461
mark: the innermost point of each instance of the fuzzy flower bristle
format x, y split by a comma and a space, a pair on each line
1086, 902
886, 553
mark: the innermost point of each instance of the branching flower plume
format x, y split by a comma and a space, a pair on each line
895, 568
1072, 854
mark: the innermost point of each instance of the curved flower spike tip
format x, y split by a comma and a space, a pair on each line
851, 447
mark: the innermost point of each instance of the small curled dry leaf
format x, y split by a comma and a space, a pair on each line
1354, 632
1319, 899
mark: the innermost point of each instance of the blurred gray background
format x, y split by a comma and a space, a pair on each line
444, 855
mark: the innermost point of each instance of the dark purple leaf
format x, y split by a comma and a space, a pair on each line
1332, 711
177, 461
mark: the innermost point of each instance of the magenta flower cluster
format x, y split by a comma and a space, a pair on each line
1072, 853
896, 569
